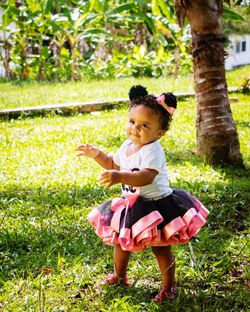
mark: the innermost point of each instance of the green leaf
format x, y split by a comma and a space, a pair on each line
148, 20
76, 2
125, 36
64, 52
48, 6
95, 5
55, 26
44, 52
231, 15
80, 20
160, 53
122, 8
105, 6
97, 31
34, 6
92, 19
166, 11
8, 16
155, 7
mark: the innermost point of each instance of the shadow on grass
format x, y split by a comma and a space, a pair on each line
243, 123
188, 298
37, 226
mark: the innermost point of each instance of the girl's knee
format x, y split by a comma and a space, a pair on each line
162, 251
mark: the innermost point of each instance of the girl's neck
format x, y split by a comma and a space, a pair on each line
133, 148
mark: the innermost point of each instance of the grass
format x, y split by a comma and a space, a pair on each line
50, 257
22, 94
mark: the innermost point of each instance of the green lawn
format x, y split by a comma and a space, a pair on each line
50, 257
22, 94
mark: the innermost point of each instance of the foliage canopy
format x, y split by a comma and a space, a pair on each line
63, 40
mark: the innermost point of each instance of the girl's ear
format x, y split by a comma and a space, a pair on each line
161, 133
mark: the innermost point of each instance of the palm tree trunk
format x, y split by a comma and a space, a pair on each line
217, 138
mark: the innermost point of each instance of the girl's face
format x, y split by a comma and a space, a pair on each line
143, 126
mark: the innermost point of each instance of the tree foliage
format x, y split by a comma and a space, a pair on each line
75, 39
236, 21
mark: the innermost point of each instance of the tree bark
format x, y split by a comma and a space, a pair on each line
6, 58
217, 138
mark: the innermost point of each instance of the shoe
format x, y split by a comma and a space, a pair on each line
165, 294
111, 279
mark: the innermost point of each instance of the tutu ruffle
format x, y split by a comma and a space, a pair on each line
136, 222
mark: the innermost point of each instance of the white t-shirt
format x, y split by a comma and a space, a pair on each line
150, 156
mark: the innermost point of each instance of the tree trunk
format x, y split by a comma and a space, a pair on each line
75, 75
6, 59
5, 53
217, 139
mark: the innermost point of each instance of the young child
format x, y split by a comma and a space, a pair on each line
149, 212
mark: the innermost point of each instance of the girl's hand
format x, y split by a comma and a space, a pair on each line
109, 178
88, 151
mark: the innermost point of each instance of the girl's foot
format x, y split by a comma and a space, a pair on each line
165, 294
111, 279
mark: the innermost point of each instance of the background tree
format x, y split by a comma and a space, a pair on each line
65, 40
217, 138
236, 19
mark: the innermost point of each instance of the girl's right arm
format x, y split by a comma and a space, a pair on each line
103, 159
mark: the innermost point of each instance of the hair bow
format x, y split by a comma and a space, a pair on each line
161, 101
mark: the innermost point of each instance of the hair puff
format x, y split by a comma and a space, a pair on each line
137, 92
170, 99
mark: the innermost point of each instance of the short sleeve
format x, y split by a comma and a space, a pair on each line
153, 157
116, 159
117, 156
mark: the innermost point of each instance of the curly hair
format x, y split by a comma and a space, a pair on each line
138, 95
150, 102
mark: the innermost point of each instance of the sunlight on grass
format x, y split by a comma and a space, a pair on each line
22, 94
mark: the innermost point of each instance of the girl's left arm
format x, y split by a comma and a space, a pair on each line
135, 178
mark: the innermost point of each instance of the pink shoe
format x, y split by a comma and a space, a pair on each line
165, 294
111, 279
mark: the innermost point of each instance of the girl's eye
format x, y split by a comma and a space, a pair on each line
144, 126
131, 121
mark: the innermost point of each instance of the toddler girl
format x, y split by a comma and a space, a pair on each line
149, 212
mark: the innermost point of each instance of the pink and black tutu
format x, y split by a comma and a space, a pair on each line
136, 222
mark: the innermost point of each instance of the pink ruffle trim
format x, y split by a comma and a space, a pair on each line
145, 233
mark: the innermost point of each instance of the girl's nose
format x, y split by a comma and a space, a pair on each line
135, 127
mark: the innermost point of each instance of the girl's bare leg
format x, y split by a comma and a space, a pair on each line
121, 259
166, 262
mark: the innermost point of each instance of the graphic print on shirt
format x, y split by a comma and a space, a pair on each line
130, 189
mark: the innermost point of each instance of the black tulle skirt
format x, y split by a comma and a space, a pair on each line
136, 222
